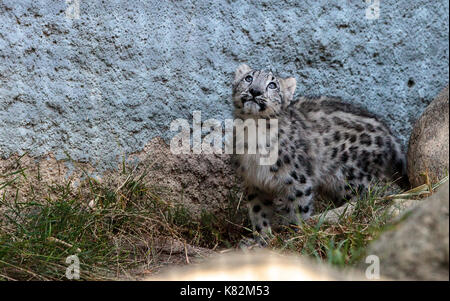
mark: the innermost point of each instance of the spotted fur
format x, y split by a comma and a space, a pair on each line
326, 148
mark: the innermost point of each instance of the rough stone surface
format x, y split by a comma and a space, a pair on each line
428, 145
199, 182
102, 86
418, 247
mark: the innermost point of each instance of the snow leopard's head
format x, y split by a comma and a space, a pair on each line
259, 93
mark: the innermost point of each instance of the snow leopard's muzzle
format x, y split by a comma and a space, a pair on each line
254, 101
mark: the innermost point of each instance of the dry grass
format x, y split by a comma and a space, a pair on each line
116, 229
113, 230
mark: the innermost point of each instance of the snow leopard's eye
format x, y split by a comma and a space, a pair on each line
272, 85
248, 78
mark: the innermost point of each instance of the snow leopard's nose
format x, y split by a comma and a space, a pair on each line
255, 92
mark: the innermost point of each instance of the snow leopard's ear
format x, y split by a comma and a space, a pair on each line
240, 71
288, 86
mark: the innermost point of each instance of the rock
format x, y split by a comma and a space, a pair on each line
400, 207
105, 82
256, 265
333, 216
428, 145
417, 248
197, 182
395, 208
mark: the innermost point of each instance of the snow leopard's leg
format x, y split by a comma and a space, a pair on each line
261, 214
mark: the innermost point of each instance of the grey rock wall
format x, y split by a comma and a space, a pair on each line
101, 86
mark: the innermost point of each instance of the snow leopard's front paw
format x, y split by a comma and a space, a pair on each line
248, 243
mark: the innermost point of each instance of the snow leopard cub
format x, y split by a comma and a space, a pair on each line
326, 147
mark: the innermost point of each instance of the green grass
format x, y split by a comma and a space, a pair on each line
341, 244
113, 228
110, 238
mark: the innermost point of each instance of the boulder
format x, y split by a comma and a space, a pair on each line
428, 145
417, 248
194, 181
